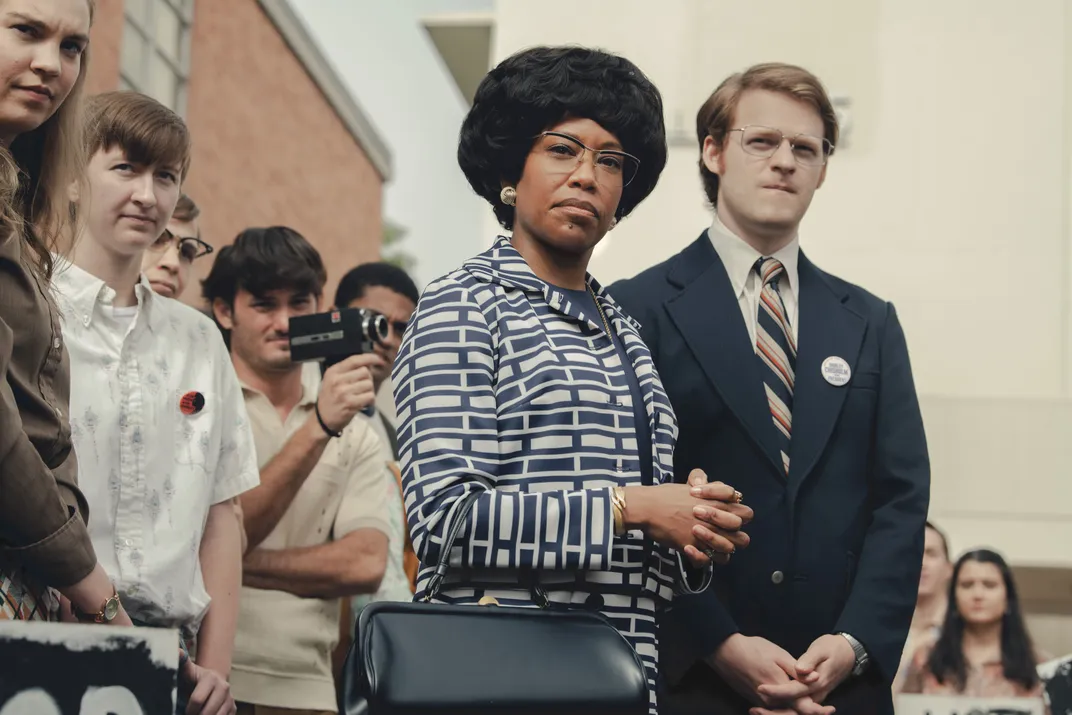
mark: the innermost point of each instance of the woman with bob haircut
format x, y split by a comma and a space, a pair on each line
984, 649
520, 378
44, 545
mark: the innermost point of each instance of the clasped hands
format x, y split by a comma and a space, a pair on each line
776, 683
701, 520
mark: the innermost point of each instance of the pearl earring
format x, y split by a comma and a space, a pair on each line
508, 195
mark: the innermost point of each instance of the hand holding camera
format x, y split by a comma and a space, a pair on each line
346, 389
342, 341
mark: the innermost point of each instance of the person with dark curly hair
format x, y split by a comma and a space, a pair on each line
984, 649
521, 378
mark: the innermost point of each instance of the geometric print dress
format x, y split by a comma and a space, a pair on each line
505, 387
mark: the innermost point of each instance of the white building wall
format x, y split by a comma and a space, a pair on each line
386, 58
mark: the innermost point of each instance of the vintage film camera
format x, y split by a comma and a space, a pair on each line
336, 335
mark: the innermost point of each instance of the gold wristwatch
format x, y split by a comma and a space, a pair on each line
617, 501
107, 613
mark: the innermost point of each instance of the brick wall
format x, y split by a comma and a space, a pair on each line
268, 148
105, 39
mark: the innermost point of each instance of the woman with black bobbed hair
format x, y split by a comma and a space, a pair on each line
984, 649
521, 379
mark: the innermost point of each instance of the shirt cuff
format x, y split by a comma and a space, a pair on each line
228, 489
62, 558
365, 522
692, 580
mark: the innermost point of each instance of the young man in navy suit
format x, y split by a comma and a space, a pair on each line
794, 386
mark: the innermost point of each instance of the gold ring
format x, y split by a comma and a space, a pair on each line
737, 497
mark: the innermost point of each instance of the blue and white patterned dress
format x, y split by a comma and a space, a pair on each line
504, 386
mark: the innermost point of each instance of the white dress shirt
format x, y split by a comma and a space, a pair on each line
740, 259
150, 472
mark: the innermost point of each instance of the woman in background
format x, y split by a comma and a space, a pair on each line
984, 649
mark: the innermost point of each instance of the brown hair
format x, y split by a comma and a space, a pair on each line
10, 218
49, 158
146, 130
717, 114
261, 260
186, 210
941, 534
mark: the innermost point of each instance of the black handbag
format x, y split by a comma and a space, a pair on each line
434, 659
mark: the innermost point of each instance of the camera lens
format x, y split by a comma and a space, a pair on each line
376, 328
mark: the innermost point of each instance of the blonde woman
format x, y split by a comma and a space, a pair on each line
43, 540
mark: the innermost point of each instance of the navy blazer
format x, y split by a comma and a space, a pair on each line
837, 543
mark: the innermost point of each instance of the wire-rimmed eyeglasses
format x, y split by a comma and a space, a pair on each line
762, 141
613, 166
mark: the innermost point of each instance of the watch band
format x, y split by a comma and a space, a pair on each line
108, 611
617, 500
862, 659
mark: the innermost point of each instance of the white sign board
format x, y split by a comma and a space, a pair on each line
960, 705
75, 669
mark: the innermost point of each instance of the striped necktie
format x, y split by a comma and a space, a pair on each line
777, 350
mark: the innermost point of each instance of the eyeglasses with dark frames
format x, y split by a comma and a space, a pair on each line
189, 247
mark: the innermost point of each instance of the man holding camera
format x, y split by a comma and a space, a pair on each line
389, 291
316, 524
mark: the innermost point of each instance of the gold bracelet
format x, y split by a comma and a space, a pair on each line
617, 501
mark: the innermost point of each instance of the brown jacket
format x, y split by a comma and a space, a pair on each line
42, 513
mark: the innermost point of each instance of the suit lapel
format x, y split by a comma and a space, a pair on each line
708, 316
662, 424
828, 328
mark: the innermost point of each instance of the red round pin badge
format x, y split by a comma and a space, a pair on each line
192, 403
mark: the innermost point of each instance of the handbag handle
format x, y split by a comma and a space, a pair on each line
435, 583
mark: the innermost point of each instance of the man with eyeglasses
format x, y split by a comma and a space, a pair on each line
795, 386
168, 261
